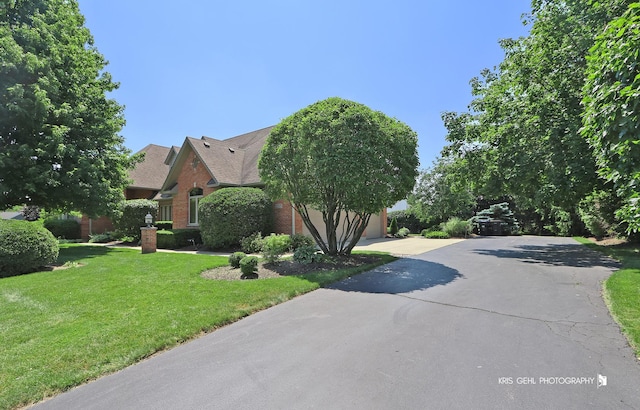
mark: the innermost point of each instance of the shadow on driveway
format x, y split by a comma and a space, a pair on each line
402, 276
577, 255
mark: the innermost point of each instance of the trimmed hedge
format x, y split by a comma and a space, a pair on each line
25, 247
406, 219
167, 225
130, 216
63, 228
230, 214
177, 238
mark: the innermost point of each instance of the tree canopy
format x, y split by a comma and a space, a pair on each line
343, 159
521, 137
59, 142
612, 109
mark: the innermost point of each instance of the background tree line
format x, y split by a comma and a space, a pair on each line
553, 129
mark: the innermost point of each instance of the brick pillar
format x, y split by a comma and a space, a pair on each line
149, 239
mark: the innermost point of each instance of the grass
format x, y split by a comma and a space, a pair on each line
113, 307
622, 289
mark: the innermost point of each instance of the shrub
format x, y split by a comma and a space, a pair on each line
165, 225
298, 240
275, 246
252, 243
456, 227
166, 239
101, 238
130, 215
305, 254
63, 228
393, 228
402, 233
235, 258
24, 247
435, 235
249, 265
230, 214
186, 237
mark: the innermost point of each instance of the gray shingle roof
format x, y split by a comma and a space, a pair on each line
152, 171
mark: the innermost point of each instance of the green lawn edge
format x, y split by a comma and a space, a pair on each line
621, 291
115, 307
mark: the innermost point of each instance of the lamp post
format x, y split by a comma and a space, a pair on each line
149, 235
148, 219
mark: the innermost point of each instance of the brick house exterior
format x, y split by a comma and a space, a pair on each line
178, 177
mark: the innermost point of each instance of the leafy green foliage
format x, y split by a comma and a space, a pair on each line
497, 212
235, 258
274, 246
101, 238
305, 254
438, 195
597, 211
252, 243
130, 216
612, 109
59, 139
177, 238
435, 234
249, 265
298, 240
63, 228
393, 227
24, 247
406, 219
230, 214
342, 159
457, 227
164, 224
402, 233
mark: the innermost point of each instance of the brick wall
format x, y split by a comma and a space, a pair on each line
94, 226
189, 177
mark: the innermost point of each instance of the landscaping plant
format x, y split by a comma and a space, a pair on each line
24, 247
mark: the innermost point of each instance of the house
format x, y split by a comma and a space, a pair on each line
178, 177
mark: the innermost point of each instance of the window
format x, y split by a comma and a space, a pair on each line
166, 213
194, 198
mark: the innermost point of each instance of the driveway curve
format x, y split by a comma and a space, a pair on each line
486, 323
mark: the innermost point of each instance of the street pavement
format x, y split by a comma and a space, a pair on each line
486, 323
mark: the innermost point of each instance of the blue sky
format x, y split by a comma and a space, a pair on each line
223, 68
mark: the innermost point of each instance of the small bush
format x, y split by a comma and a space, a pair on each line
63, 228
402, 233
305, 254
298, 240
457, 227
186, 237
101, 238
435, 235
235, 258
252, 243
164, 225
166, 239
407, 219
275, 246
24, 247
130, 215
249, 265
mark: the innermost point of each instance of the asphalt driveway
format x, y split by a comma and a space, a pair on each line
487, 323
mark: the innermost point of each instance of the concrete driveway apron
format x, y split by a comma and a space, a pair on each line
487, 323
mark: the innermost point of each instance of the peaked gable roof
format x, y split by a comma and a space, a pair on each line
152, 171
230, 162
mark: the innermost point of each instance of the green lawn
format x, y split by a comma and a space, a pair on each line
61, 328
622, 289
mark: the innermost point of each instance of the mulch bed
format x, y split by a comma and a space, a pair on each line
289, 267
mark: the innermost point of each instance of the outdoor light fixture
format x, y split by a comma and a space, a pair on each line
148, 219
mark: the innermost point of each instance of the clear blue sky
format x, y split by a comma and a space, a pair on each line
223, 68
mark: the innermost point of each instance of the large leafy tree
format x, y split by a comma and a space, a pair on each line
344, 160
59, 142
612, 110
521, 137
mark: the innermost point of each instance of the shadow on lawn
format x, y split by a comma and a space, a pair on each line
402, 276
78, 252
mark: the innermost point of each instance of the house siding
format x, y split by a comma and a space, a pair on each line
94, 226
